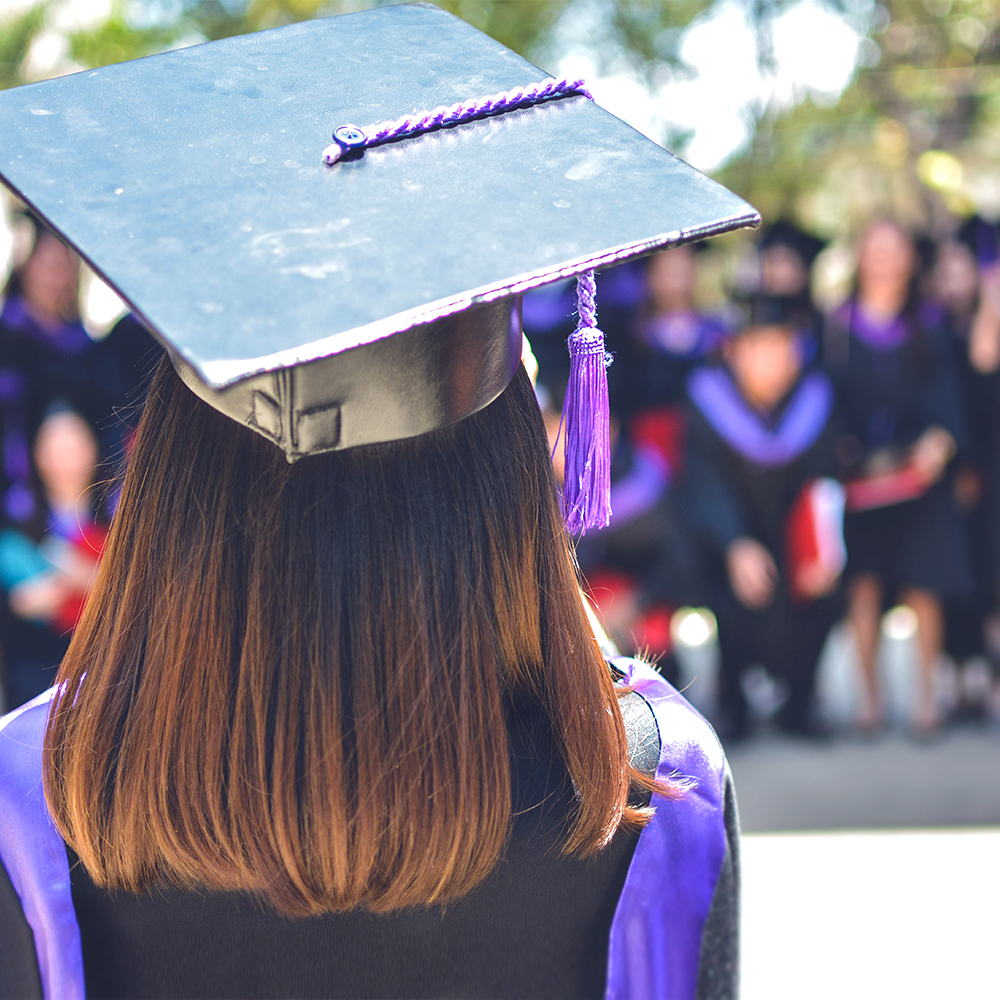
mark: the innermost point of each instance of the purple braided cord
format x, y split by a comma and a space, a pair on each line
586, 300
426, 121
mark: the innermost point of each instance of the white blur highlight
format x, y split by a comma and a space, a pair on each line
899, 623
870, 915
814, 53
693, 627
100, 305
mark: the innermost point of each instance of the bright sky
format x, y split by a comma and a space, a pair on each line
814, 51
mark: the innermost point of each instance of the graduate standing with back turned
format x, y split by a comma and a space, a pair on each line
335, 722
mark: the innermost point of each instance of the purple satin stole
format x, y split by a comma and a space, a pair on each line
655, 940
656, 934
714, 393
686, 334
34, 854
68, 338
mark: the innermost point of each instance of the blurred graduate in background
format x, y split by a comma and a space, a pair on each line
787, 255
49, 552
965, 266
761, 452
889, 355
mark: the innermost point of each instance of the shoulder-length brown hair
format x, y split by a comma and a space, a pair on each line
294, 679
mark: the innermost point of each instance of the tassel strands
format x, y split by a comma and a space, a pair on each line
587, 482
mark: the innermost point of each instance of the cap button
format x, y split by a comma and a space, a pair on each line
349, 136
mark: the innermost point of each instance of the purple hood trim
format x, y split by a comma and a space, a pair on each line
640, 489
714, 393
656, 934
655, 941
684, 334
544, 309
879, 335
34, 854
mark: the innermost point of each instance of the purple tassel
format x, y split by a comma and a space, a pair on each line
587, 483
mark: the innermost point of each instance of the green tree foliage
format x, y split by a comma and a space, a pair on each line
16, 36
139, 27
645, 33
914, 135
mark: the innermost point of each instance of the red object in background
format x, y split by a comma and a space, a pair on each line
650, 630
815, 537
885, 489
654, 630
89, 546
661, 427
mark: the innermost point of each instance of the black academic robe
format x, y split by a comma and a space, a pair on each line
895, 380
745, 470
541, 925
975, 489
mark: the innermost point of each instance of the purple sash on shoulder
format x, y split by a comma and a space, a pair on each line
655, 940
714, 393
878, 334
34, 854
69, 338
684, 334
656, 934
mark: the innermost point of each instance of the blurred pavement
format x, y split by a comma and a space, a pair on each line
871, 868
787, 784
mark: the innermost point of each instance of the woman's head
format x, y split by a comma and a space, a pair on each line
671, 277
294, 678
783, 270
956, 277
766, 361
65, 455
887, 261
49, 278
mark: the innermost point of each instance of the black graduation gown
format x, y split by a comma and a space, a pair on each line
730, 493
980, 397
537, 927
646, 539
891, 391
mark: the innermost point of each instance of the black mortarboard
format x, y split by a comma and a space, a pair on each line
981, 238
771, 310
193, 182
784, 233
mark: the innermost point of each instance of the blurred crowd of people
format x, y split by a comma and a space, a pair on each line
787, 466
68, 404
780, 465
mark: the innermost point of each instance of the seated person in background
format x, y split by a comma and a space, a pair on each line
48, 559
761, 440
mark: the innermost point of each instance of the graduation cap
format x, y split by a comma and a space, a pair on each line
786, 234
981, 238
770, 310
328, 306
